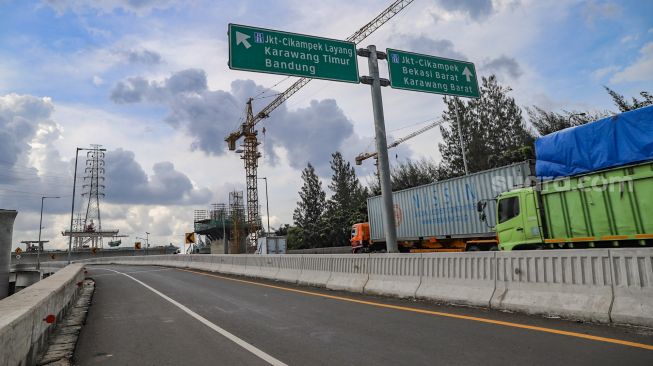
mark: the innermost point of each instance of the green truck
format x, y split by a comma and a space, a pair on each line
606, 208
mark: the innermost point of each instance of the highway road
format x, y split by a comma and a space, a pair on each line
162, 316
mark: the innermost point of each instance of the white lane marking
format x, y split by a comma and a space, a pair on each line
257, 352
113, 274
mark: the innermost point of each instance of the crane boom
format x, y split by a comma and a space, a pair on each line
250, 154
363, 156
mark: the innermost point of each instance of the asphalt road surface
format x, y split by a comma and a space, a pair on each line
162, 316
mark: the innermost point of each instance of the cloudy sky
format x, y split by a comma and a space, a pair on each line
149, 81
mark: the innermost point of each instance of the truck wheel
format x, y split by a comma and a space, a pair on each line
473, 248
494, 248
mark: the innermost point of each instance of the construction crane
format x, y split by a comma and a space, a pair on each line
363, 156
250, 152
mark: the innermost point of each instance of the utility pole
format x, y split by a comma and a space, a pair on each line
381, 144
38, 248
147, 241
267, 208
72, 206
460, 136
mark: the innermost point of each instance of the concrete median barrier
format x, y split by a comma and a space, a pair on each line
349, 272
316, 270
461, 278
394, 274
632, 274
23, 331
262, 266
570, 283
290, 268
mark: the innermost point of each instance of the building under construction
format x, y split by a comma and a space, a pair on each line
226, 224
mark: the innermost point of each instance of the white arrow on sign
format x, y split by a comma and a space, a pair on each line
468, 74
242, 38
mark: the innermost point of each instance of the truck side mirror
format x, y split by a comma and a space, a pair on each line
480, 206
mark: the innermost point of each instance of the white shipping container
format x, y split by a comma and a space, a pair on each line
447, 209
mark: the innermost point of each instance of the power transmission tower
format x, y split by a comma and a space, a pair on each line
250, 153
94, 189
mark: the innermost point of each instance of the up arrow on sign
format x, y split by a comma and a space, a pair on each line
242, 38
468, 74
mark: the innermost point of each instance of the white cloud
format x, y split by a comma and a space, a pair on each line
640, 70
600, 74
97, 81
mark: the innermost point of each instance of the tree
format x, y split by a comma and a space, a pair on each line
624, 105
493, 129
309, 209
294, 238
282, 230
548, 122
410, 174
344, 207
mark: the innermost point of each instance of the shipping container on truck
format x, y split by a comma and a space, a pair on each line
608, 208
442, 216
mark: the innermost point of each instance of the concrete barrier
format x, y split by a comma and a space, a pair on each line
461, 278
394, 274
632, 275
290, 268
23, 332
316, 270
570, 283
349, 272
262, 266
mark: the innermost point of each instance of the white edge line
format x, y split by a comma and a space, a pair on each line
257, 352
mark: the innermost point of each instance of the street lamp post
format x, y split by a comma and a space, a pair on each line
267, 209
72, 205
38, 248
147, 241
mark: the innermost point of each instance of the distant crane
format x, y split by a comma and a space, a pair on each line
250, 152
363, 156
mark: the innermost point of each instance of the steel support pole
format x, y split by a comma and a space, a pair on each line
382, 151
460, 136
72, 207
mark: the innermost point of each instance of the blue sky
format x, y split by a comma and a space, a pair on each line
77, 72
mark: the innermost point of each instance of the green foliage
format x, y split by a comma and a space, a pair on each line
410, 174
345, 207
624, 105
308, 213
493, 129
546, 122
294, 238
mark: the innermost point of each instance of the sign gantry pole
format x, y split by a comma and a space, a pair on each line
381, 144
460, 136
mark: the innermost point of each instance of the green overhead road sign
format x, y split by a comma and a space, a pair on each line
413, 71
269, 51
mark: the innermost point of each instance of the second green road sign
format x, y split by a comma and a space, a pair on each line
269, 51
413, 71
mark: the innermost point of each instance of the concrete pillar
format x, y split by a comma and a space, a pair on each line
7, 218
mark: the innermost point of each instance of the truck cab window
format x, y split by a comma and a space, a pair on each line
508, 208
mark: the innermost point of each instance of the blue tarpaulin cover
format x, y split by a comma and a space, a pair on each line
618, 140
